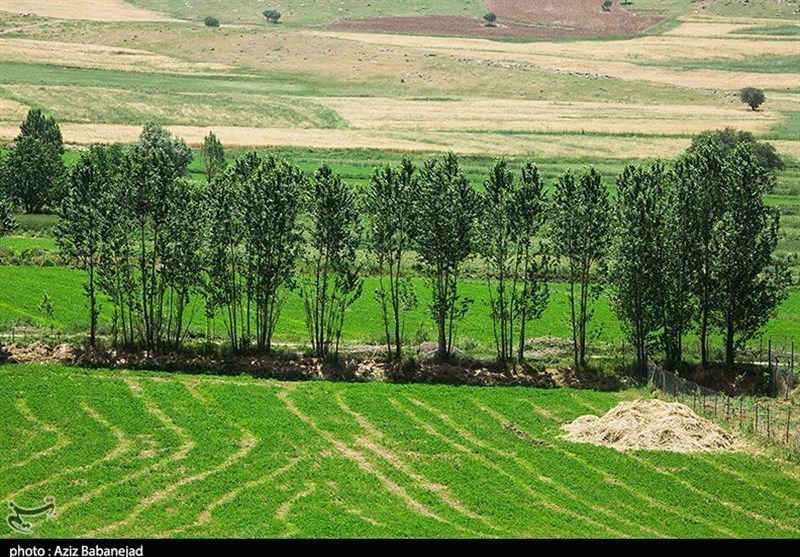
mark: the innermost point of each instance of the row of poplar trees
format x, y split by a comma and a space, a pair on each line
685, 247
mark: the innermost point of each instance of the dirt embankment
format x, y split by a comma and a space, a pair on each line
517, 19
355, 366
652, 425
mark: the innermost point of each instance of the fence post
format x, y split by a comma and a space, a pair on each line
788, 420
740, 412
768, 430
756, 428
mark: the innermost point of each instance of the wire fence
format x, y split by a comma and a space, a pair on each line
775, 419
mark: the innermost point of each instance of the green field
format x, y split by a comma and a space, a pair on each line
22, 289
139, 455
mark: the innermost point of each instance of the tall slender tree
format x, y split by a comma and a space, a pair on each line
83, 213
445, 210
636, 259
512, 213
749, 284
334, 284
389, 206
42, 127
579, 234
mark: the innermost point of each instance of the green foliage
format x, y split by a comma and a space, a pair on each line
636, 266
727, 139
33, 174
752, 97
607, 5
154, 137
273, 16
7, 222
42, 127
334, 284
389, 206
84, 212
210, 21
490, 18
445, 210
749, 284
212, 154
512, 214
579, 234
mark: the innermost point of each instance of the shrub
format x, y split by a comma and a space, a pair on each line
211, 21
607, 5
490, 18
273, 16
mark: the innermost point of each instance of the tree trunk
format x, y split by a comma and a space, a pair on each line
730, 352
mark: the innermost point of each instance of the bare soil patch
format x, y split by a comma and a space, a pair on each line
581, 17
650, 425
541, 19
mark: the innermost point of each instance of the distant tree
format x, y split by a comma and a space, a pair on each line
512, 212
635, 267
727, 139
607, 5
752, 97
444, 233
210, 21
213, 154
579, 234
749, 284
334, 285
33, 174
156, 137
47, 308
42, 127
389, 206
273, 16
490, 18
83, 213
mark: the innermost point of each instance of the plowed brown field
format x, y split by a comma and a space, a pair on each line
518, 19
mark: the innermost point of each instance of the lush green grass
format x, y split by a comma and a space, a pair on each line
22, 289
21, 243
148, 454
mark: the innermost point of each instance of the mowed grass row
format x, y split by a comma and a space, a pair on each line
22, 289
130, 454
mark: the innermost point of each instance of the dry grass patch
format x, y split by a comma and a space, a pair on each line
542, 116
97, 57
90, 10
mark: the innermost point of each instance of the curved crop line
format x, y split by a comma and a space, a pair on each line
708, 495
726, 469
187, 444
207, 513
372, 442
359, 459
525, 465
62, 440
624, 485
248, 441
286, 507
123, 445
563, 490
431, 430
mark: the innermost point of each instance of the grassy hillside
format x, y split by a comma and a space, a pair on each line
128, 455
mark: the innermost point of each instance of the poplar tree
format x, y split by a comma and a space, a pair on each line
579, 233
389, 206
